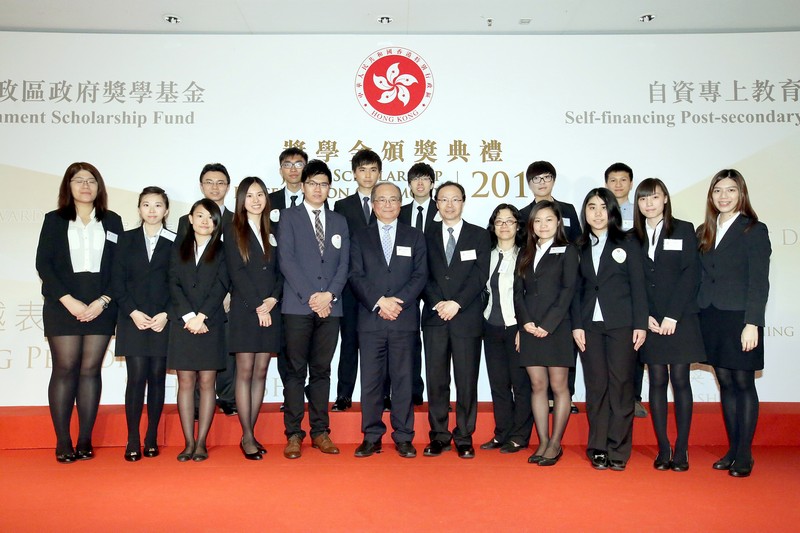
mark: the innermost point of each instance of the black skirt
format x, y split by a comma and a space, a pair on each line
87, 287
722, 336
685, 346
245, 335
557, 349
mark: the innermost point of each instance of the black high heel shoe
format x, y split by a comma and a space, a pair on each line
151, 451
65, 456
186, 454
551, 461
133, 455
663, 461
255, 456
84, 454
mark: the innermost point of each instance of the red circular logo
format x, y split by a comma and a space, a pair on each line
394, 85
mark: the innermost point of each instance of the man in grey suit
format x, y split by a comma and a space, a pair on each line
314, 257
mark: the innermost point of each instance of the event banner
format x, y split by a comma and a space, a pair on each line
153, 109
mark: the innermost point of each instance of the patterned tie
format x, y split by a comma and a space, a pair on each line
294, 200
386, 241
318, 231
451, 246
367, 211
418, 223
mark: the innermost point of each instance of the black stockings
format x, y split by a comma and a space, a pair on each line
149, 372
251, 377
556, 378
740, 410
660, 378
205, 380
77, 360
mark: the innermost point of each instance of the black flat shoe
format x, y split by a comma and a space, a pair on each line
723, 464
551, 461
663, 461
186, 454
200, 456
535, 459
741, 468
261, 449
255, 456
85, 454
681, 464
133, 456
151, 451
65, 457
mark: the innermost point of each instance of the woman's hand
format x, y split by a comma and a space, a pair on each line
264, 319
653, 325
749, 337
579, 336
159, 322
516, 341
267, 305
529, 327
92, 311
539, 332
75, 307
668, 326
197, 324
639, 335
142, 320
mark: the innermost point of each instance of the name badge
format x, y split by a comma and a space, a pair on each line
275, 215
566, 222
468, 255
673, 244
169, 235
111, 236
558, 249
272, 240
404, 251
336, 241
619, 255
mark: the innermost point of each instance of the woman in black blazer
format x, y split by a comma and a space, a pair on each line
734, 286
547, 272
609, 321
198, 282
74, 260
141, 288
256, 287
672, 275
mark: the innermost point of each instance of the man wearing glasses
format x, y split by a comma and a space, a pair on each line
452, 322
314, 257
291, 161
388, 270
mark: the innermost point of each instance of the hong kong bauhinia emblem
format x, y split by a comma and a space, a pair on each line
394, 85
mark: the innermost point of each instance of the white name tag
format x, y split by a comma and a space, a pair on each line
558, 249
404, 251
673, 244
169, 235
275, 215
111, 236
566, 222
272, 240
336, 241
468, 255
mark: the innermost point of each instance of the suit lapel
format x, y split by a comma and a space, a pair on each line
733, 233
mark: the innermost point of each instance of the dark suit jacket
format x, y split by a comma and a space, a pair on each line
183, 224
304, 271
572, 224
544, 297
198, 288
673, 278
53, 260
256, 280
352, 209
461, 281
404, 277
618, 285
735, 274
408, 215
277, 200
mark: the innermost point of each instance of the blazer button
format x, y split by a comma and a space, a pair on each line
447, 278
263, 268
319, 277
596, 288
194, 285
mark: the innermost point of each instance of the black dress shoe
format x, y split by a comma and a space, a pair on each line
368, 448
511, 447
435, 448
387, 403
573, 409
417, 399
406, 449
84, 454
133, 455
255, 456
465, 451
228, 408
663, 461
491, 445
342, 404
151, 451
65, 456
616, 464
551, 461
724, 463
741, 468
599, 460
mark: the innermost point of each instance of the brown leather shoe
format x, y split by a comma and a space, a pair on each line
324, 443
292, 450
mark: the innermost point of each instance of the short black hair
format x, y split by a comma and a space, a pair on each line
314, 168
292, 151
215, 167
540, 167
619, 167
451, 184
365, 157
419, 170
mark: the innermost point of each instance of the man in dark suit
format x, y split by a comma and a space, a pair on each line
214, 184
357, 209
452, 322
388, 270
419, 213
314, 260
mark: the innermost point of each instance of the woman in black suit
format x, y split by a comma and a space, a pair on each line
74, 260
547, 273
609, 320
256, 287
672, 275
141, 288
198, 281
734, 286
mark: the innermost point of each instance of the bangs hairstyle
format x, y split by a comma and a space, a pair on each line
155, 190
647, 188
559, 239
240, 221
66, 202
615, 232
315, 167
188, 243
366, 157
215, 167
420, 170
519, 237
291, 152
707, 233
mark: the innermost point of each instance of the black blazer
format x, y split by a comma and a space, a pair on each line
572, 224
256, 280
353, 210
619, 286
735, 274
53, 260
183, 224
673, 278
544, 297
462, 281
408, 215
198, 288
404, 277
277, 200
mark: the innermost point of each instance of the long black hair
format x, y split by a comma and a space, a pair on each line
615, 231
188, 242
647, 188
559, 239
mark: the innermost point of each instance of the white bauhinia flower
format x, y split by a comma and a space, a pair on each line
394, 85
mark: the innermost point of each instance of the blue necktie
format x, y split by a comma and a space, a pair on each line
451, 246
386, 241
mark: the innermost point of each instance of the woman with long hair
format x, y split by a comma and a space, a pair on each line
74, 259
141, 288
671, 269
198, 281
734, 287
546, 276
609, 321
256, 287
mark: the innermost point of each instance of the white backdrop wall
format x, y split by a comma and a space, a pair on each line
152, 110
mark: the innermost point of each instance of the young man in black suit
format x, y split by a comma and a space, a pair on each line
357, 209
388, 270
419, 213
452, 323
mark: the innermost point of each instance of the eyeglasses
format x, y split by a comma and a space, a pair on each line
218, 183
454, 201
504, 223
91, 182
547, 178
391, 200
318, 184
424, 179
293, 164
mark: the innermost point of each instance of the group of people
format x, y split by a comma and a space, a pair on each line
623, 285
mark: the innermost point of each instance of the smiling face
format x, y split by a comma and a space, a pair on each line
652, 206
202, 223
450, 203
386, 203
545, 225
152, 209
505, 226
255, 201
619, 183
725, 196
83, 186
214, 186
596, 215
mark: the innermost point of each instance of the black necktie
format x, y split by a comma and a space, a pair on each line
496, 314
366, 209
418, 223
294, 200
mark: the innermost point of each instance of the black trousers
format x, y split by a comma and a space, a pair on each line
609, 364
387, 354
442, 346
310, 344
348, 352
